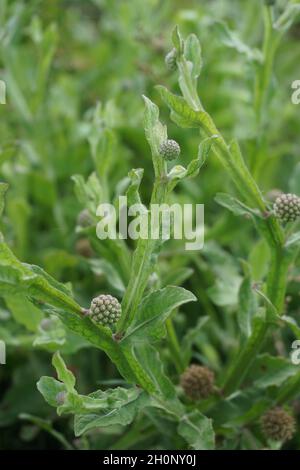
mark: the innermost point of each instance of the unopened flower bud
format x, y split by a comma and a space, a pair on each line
197, 382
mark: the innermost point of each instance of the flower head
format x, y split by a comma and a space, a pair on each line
105, 310
197, 382
278, 425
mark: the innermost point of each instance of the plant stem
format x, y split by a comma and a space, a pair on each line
174, 346
290, 389
143, 262
262, 85
276, 287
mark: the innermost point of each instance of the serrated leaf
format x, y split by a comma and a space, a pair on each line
182, 114
63, 373
101, 337
49, 388
197, 430
121, 415
153, 312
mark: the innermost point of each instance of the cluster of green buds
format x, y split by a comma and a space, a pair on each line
169, 150
198, 382
287, 207
105, 310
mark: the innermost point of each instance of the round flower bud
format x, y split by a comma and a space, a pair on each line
105, 310
197, 382
84, 218
170, 60
287, 207
169, 150
278, 425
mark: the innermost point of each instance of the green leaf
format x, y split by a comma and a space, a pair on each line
132, 193
259, 259
192, 52
122, 414
102, 267
269, 371
24, 312
149, 359
197, 430
101, 337
177, 40
49, 388
3, 189
63, 373
185, 116
17, 277
176, 276
234, 205
287, 18
292, 324
156, 134
153, 312
231, 39
191, 337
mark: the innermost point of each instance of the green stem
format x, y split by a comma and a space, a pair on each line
290, 390
276, 287
174, 346
143, 262
262, 86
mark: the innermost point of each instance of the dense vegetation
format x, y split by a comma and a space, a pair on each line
200, 356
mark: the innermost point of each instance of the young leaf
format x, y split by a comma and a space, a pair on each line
101, 337
63, 373
50, 388
153, 312
24, 311
156, 134
149, 359
197, 430
123, 414
231, 39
